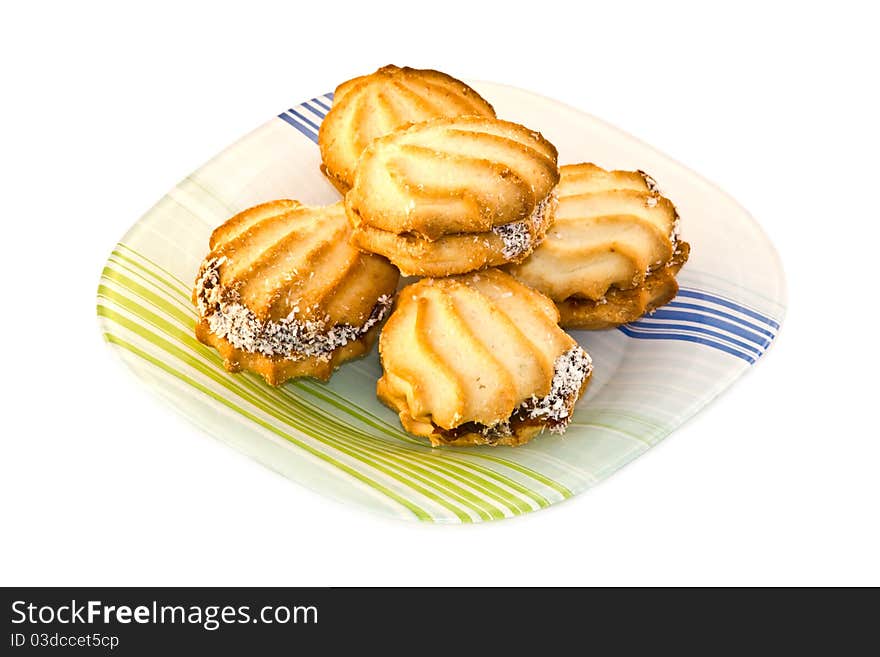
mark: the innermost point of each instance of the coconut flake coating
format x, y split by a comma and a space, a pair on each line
289, 337
555, 409
283, 293
521, 237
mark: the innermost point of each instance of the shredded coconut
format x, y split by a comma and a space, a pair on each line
498, 430
290, 337
650, 182
675, 235
519, 236
570, 371
651, 201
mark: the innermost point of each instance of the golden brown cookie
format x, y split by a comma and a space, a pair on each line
479, 359
374, 105
613, 251
450, 196
284, 293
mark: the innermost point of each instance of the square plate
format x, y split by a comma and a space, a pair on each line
338, 439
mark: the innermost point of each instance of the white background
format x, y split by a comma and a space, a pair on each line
106, 107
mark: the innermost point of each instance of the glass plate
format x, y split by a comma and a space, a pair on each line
338, 439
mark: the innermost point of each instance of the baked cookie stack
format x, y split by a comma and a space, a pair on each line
613, 252
510, 244
372, 106
450, 196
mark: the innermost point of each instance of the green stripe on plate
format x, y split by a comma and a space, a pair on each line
302, 427
158, 267
188, 319
420, 513
330, 397
118, 259
376, 449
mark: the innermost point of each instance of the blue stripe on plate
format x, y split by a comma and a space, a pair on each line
722, 335
320, 103
719, 313
627, 330
317, 112
303, 118
727, 303
296, 124
709, 320
684, 328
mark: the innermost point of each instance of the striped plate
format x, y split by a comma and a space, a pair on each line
336, 438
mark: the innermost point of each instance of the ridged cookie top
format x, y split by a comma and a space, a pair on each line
282, 278
612, 228
474, 349
449, 176
374, 105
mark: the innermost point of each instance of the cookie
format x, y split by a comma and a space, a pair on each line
284, 293
479, 359
451, 196
613, 251
371, 106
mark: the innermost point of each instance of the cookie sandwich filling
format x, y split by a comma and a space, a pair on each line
554, 410
521, 237
289, 337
